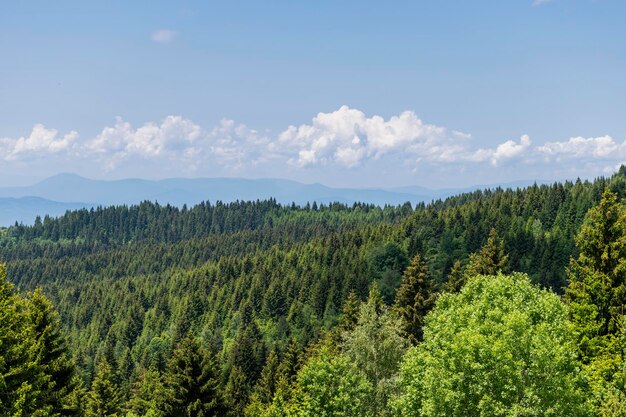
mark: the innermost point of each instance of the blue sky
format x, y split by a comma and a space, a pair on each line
435, 93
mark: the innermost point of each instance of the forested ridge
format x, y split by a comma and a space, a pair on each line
498, 302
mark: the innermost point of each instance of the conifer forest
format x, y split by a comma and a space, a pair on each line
503, 302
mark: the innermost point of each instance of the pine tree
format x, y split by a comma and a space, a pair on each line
191, 382
414, 298
103, 400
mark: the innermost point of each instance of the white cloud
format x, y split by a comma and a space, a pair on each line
40, 141
503, 152
342, 141
175, 136
540, 2
163, 36
348, 137
598, 148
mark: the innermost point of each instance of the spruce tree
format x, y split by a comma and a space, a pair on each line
103, 400
52, 357
597, 290
236, 392
20, 377
148, 395
265, 388
414, 298
491, 258
349, 312
456, 278
191, 382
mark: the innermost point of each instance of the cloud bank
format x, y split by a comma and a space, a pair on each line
342, 141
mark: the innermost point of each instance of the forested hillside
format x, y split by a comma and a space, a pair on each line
257, 308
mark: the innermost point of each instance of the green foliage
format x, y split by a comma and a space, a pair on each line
36, 372
148, 395
331, 385
60, 383
597, 290
104, 398
414, 298
249, 278
501, 347
490, 260
376, 346
191, 382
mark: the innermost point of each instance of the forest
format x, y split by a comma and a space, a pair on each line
502, 302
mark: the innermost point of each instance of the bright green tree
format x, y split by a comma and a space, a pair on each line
376, 347
500, 347
414, 298
596, 298
20, 376
331, 386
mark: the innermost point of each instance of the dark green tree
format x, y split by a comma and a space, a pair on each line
491, 258
191, 382
414, 298
53, 358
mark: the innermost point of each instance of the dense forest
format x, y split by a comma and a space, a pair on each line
492, 303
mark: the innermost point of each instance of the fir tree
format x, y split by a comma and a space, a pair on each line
236, 392
349, 312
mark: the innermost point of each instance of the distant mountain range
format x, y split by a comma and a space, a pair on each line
55, 195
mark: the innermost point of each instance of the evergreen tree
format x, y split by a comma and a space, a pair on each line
597, 290
148, 395
236, 392
265, 388
349, 312
596, 297
414, 298
52, 357
20, 377
103, 400
491, 259
191, 382
456, 278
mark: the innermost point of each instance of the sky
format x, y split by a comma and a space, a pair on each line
345, 93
